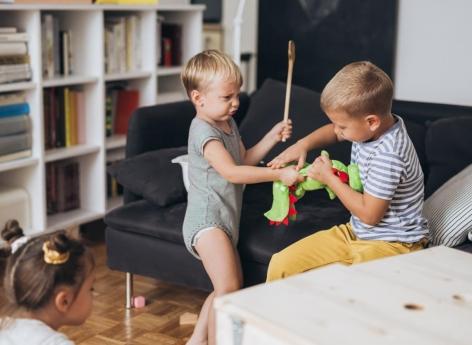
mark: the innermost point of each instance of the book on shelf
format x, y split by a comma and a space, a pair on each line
114, 189
14, 125
62, 186
14, 109
63, 117
12, 73
14, 58
119, 105
15, 156
8, 29
122, 43
56, 47
126, 104
8, 48
160, 20
14, 37
15, 143
12, 98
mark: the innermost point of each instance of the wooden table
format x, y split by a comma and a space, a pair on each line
419, 298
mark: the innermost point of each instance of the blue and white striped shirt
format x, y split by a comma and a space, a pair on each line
390, 170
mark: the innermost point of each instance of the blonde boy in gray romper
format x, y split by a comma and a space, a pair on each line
219, 166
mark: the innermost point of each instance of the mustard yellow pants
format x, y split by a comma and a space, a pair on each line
336, 245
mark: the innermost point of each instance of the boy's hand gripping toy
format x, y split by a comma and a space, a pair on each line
283, 205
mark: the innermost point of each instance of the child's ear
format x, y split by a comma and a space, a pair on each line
373, 121
63, 300
196, 97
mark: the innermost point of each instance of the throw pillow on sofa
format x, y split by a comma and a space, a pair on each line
449, 210
183, 161
153, 176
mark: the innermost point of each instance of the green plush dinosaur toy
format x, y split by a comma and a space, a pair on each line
283, 204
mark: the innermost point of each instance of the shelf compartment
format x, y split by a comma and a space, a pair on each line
69, 80
68, 219
69, 152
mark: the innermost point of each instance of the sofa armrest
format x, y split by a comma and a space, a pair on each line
158, 127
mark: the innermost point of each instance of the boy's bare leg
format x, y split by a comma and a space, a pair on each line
221, 262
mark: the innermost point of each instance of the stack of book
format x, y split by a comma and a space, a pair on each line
14, 58
64, 117
120, 103
56, 51
122, 43
15, 127
62, 186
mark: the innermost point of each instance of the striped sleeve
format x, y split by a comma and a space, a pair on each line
384, 175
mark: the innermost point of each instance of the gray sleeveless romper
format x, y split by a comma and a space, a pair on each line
212, 201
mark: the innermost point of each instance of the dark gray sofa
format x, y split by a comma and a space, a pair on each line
146, 239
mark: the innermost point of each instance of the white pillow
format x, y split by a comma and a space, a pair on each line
449, 210
183, 161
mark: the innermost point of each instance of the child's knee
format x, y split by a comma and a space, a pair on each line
280, 266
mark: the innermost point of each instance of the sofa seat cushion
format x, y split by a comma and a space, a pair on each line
145, 218
258, 240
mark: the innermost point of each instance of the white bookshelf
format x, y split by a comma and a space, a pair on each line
156, 85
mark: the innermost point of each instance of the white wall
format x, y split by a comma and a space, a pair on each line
434, 51
248, 34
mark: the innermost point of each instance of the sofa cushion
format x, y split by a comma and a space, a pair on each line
449, 210
145, 218
258, 240
448, 150
267, 108
153, 176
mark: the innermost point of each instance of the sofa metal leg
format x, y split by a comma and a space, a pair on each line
129, 290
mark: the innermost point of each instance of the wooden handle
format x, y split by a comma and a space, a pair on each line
291, 60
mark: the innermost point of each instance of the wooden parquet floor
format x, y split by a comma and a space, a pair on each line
156, 324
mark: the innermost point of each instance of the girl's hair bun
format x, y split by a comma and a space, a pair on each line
11, 231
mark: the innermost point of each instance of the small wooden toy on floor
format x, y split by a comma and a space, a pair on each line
139, 301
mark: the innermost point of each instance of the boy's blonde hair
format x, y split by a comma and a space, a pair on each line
360, 88
205, 67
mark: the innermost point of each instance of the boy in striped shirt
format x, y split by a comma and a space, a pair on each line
387, 218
